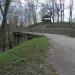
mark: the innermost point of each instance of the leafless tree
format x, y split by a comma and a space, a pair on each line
4, 6
57, 10
53, 4
63, 8
71, 9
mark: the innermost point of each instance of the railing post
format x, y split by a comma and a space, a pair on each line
69, 32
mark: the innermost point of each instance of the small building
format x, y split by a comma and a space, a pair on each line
46, 18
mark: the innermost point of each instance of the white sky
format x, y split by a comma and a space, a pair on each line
66, 5
23, 1
67, 10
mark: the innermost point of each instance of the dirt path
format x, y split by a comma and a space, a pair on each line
48, 66
63, 54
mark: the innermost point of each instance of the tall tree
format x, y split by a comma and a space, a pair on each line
71, 9
4, 11
61, 9
63, 2
53, 3
57, 11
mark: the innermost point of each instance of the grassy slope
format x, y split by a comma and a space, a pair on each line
24, 59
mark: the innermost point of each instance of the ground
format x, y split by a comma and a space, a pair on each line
28, 58
63, 53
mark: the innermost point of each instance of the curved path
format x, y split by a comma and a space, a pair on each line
63, 57
63, 53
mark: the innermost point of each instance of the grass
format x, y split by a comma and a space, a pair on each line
24, 59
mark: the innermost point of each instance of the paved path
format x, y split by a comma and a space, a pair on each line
63, 53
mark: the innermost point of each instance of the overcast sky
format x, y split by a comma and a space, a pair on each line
67, 10
67, 2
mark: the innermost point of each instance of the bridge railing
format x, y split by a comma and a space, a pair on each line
61, 31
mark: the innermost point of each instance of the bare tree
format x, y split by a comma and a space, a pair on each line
51, 6
63, 8
4, 11
57, 11
4, 7
53, 3
71, 8
48, 8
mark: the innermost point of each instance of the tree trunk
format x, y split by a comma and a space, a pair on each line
3, 34
53, 11
63, 11
9, 38
4, 22
58, 17
71, 8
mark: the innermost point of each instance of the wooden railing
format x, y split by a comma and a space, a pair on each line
61, 31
